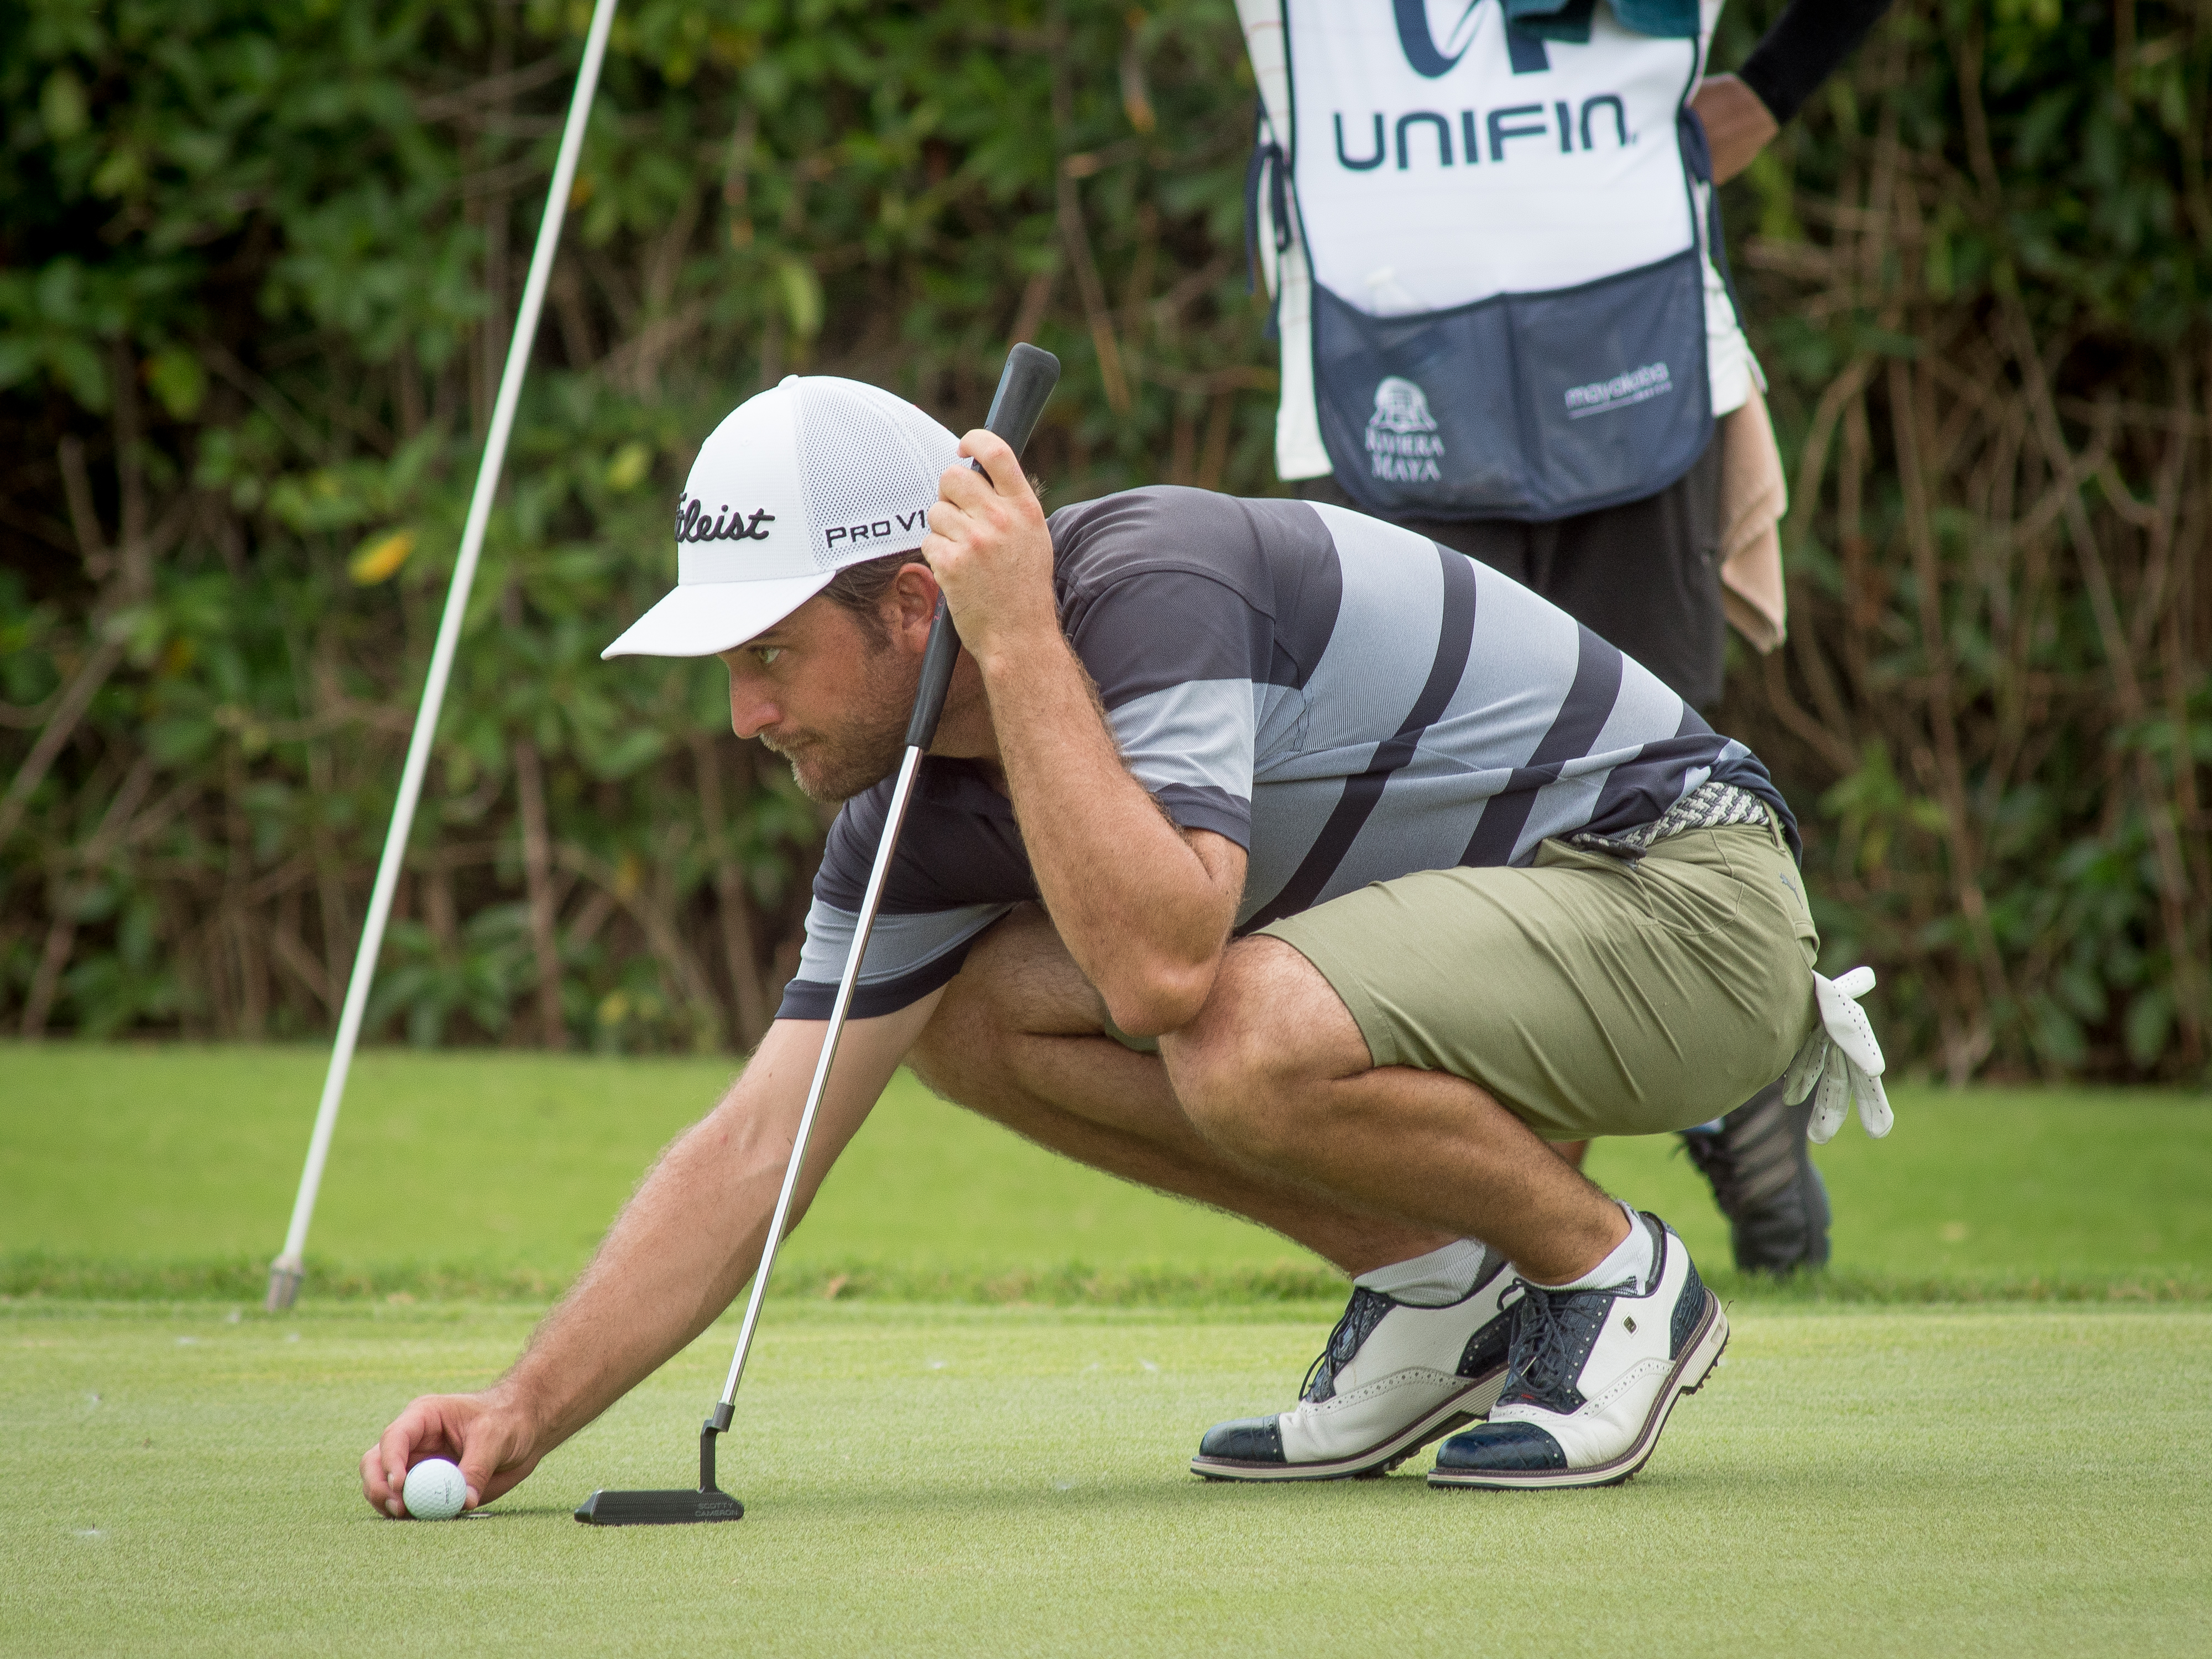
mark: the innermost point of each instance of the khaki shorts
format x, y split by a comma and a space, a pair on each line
1589, 996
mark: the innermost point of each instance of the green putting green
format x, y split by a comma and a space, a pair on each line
939, 1477
1997, 1480
141, 1171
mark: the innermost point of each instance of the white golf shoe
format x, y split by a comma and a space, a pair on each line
1393, 1377
1591, 1377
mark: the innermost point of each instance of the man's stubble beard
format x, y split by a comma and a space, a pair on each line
864, 747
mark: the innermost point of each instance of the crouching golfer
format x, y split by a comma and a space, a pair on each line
1269, 855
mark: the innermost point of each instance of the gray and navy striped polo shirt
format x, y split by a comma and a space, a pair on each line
1344, 699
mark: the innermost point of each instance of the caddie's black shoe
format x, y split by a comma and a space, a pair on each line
1392, 1378
1591, 1378
1764, 1180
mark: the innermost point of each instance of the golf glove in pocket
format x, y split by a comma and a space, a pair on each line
1840, 1062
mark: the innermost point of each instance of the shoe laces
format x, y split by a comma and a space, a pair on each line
1357, 1323
1552, 1333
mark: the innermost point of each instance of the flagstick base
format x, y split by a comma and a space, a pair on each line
286, 1274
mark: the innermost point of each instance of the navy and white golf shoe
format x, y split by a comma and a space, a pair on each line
1393, 1377
1591, 1376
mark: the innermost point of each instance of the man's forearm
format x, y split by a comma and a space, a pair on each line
1137, 907
1144, 909
689, 1240
674, 1259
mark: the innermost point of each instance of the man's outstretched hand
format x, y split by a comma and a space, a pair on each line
490, 1437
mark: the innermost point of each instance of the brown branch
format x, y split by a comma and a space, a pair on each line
659, 932
134, 559
1075, 237
500, 179
1037, 299
1944, 718
25, 718
61, 726
294, 872
51, 532
2156, 801
1191, 288
61, 939
498, 88
1834, 750
2158, 519
65, 899
732, 905
538, 877
272, 403
84, 518
1208, 383
293, 957
635, 365
1832, 733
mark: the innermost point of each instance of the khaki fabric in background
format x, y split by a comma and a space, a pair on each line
1753, 498
1591, 995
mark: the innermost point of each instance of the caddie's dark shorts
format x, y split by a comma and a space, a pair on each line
1644, 575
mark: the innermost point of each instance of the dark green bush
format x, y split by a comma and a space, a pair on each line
255, 268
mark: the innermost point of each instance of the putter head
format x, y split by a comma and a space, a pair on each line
670, 1509
657, 1509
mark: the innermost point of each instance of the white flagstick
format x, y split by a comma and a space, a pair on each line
287, 1271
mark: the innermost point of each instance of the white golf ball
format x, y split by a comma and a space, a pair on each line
435, 1490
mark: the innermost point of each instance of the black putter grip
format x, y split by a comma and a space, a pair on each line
1030, 376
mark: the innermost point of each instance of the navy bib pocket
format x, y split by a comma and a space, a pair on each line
1529, 406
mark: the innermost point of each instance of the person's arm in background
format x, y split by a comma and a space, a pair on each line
1807, 42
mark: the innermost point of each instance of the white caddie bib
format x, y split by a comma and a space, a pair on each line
1489, 253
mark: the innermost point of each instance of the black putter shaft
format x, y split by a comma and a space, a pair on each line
1027, 382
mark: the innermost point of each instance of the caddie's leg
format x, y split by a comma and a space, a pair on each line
1020, 1037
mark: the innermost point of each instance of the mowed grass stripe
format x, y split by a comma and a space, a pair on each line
2008, 1481
167, 1172
32, 1277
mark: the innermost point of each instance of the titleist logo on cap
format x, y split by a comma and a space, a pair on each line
692, 525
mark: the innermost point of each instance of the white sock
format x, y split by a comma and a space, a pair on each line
1629, 1265
1434, 1280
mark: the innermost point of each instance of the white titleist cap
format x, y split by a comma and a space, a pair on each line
809, 477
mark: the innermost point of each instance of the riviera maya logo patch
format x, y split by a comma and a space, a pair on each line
1402, 446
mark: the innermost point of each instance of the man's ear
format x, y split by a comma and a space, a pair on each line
911, 604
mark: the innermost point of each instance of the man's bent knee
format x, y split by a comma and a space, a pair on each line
1247, 1069
1018, 980
960, 1052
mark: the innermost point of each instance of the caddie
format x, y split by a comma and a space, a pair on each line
1267, 854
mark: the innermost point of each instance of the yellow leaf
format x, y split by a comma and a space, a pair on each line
802, 295
379, 558
628, 468
62, 105
178, 381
